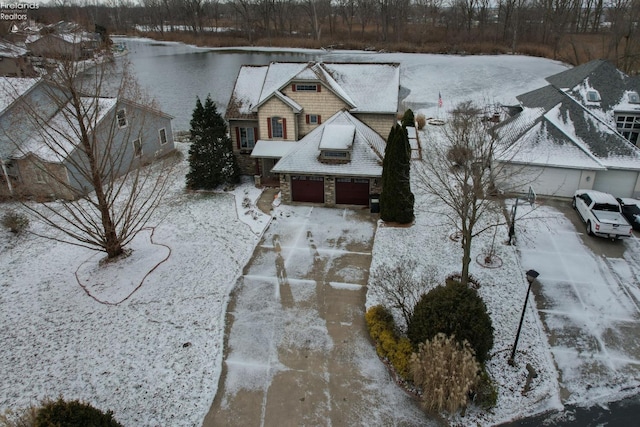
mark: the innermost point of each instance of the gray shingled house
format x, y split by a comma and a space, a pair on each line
580, 131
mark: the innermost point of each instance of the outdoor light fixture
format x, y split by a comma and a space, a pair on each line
532, 275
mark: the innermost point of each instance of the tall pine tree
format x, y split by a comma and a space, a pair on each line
396, 200
211, 158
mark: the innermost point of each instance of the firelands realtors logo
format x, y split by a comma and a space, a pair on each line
16, 11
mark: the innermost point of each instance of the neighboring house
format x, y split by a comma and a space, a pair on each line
14, 61
73, 46
133, 135
580, 131
307, 126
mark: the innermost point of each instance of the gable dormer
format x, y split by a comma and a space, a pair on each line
336, 143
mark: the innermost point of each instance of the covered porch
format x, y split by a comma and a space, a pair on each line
266, 155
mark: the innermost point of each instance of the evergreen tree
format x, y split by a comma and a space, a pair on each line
408, 119
396, 200
211, 158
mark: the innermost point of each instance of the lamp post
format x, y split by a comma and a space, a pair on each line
531, 277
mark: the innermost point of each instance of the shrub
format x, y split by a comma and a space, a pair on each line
73, 414
19, 418
15, 222
456, 310
421, 121
446, 371
485, 392
382, 329
459, 155
408, 120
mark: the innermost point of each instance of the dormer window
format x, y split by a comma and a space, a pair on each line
593, 96
634, 98
336, 143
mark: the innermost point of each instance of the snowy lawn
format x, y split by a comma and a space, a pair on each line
143, 342
428, 242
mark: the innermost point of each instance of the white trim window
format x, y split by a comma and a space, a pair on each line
137, 147
628, 125
277, 127
247, 138
121, 116
162, 136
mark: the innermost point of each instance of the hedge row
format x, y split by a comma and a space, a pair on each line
382, 329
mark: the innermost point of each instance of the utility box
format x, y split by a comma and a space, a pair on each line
374, 203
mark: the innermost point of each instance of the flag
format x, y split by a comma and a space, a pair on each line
439, 100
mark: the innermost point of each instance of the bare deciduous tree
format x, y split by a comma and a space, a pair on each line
457, 170
401, 286
88, 149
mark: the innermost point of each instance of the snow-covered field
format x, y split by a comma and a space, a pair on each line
154, 357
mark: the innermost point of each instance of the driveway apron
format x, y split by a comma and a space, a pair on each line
296, 343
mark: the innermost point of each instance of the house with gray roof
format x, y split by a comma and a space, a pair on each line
580, 131
14, 61
314, 129
40, 151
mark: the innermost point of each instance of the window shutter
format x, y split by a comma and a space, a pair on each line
307, 119
293, 87
319, 87
238, 137
269, 126
319, 121
284, 128
255, 135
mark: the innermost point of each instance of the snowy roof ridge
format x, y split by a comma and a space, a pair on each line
290, 102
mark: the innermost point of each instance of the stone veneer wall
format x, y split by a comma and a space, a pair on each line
329, 191
285, 187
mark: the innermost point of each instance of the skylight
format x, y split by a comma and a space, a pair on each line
634, 98
593, 96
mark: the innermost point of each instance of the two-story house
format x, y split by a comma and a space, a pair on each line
580, 131
40, 133
315, 129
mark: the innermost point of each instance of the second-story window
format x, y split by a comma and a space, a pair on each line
277, 127
122, 118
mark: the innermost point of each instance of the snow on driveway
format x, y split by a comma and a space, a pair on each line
588, 304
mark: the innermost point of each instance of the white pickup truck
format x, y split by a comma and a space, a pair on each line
602, 214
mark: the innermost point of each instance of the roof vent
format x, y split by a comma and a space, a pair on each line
593, 96
634, 98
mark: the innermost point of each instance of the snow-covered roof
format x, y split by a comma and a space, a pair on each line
10, 50
247, 90
65, 123
366, 152
12, 88
560, 125
271, 149
353, 83
337, 137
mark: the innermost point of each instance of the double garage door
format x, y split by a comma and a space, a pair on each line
349, 191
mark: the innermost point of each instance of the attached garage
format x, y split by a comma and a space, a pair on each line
620, 183
547, 181
352, 191
308, 189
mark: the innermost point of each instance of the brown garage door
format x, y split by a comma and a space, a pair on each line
307, 189
352, 191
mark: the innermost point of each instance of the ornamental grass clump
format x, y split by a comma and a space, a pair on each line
446, 371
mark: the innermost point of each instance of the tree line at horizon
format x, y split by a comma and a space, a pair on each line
575, 31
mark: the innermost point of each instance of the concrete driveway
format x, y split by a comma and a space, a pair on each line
297, 351
588, 296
